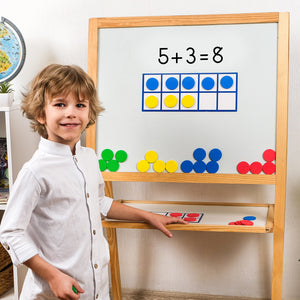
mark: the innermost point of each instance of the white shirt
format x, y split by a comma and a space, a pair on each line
54, 210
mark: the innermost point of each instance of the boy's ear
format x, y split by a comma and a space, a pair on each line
41, 120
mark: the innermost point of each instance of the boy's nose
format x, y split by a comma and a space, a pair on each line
70, 111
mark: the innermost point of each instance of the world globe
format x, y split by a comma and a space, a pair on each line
12, 50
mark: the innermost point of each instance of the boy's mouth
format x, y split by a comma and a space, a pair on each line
69, 124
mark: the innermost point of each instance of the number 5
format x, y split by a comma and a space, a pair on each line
163, 58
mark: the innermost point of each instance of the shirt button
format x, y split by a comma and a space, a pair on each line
96, 266
6, 247
97, 296
88, 195
94, 231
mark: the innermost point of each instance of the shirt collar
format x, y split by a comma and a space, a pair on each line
56, 148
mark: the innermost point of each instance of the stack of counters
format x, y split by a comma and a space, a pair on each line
159, 166
107, 161
256, 167
242, 222
269, 167
246, 221
200, 166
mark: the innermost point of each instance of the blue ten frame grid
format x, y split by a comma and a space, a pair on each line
211, 91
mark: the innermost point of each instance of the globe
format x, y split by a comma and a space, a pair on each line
12, 50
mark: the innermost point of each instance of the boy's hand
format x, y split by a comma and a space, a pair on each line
64, 287
120, 211
160, 222
60, 283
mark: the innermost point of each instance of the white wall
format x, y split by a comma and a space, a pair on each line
212, 263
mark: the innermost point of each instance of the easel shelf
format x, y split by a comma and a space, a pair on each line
216, 216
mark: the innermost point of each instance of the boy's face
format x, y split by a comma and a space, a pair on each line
65, 119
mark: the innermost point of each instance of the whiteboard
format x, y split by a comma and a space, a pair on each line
242, 128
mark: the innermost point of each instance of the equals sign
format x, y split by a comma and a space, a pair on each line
203, 56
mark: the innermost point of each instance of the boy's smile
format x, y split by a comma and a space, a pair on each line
66, 117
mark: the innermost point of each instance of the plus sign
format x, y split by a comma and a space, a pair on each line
176, 57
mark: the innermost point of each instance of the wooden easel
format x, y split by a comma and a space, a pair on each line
275, 217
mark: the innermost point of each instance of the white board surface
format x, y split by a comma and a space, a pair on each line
248, 52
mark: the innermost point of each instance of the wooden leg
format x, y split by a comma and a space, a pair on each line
114, 263
277, 266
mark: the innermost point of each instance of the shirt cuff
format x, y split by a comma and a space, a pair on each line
19, 252
105, 205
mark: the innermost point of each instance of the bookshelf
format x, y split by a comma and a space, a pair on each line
21, 143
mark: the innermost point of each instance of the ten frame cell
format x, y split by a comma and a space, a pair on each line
207, 101
149, 99
227, 102
227, 82
189, 82
150, 81
170, 83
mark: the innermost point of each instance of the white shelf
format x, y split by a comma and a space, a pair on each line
21, 143
3, 206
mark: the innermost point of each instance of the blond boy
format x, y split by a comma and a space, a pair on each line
52, 223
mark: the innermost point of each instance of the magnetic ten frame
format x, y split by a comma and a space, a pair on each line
278, 180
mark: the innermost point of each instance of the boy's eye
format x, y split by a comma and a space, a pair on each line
59, 104
80, 105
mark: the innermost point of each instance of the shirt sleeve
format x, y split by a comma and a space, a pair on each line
105, 204
22, 201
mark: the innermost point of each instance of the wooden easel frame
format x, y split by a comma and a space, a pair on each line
276, 216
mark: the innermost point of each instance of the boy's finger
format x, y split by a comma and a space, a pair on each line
178, 220
166, 232
77, 288
182, 221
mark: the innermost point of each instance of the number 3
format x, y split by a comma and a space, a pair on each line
192, 54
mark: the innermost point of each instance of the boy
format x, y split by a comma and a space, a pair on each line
52, 223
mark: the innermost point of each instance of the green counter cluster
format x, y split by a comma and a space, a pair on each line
110, 161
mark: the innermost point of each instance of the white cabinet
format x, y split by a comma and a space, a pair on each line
21, 142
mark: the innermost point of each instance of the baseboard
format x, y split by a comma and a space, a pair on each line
131, 294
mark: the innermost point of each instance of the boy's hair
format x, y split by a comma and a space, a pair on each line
57, 80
